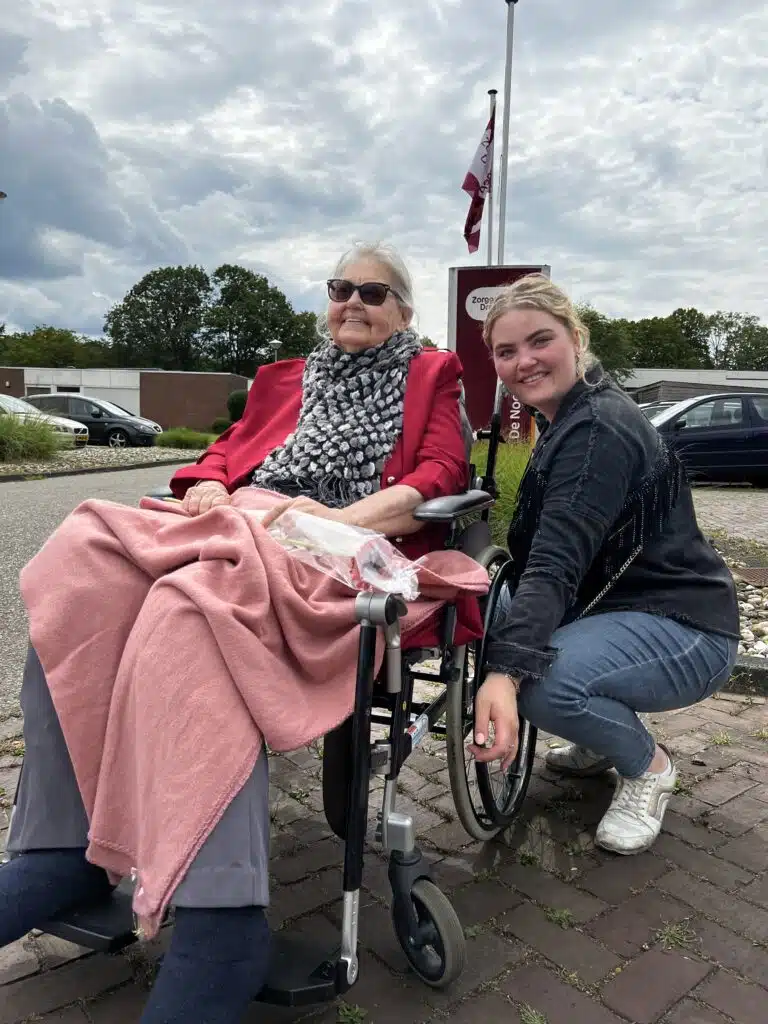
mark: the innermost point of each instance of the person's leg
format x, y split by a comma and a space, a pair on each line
609, 667
47, 872
217, 963
220, 945
38, 884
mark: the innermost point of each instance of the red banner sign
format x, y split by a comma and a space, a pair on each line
471, 290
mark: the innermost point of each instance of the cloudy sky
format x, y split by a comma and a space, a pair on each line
275, 134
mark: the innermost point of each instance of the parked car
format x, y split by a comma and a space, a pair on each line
67, 431
107, 422
652, 409
720, 437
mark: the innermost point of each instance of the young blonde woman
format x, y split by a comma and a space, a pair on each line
618, 604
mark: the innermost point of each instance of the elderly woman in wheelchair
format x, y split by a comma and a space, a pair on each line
367, 432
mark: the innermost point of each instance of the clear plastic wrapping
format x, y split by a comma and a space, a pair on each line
360, 558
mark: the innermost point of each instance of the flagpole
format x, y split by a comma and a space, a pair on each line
492, 93
505, 136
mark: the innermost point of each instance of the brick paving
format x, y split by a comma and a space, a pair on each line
739, 511
558, 932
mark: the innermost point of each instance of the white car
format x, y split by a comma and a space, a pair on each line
67, 430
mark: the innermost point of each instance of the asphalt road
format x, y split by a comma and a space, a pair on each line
29, 512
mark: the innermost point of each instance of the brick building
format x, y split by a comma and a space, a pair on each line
170, 398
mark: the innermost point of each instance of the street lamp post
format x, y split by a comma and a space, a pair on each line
275, 345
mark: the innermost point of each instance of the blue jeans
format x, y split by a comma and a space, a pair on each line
611, 666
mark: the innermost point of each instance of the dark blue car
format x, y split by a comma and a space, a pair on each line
721, 437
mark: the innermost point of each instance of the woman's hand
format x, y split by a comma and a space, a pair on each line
204, 496
496, 702
307, 505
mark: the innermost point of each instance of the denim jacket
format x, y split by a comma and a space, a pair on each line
604, 522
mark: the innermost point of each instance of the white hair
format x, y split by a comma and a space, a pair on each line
386, 257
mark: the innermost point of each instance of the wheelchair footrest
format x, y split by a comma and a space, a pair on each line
106, 926
301, 972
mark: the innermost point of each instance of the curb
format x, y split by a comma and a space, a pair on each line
16, 477
749, 676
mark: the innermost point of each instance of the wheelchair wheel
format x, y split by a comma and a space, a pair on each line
487, 799
437, 951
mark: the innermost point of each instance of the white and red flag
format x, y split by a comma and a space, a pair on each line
478, 183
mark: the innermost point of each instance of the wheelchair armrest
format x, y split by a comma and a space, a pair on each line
159, 492
447, 510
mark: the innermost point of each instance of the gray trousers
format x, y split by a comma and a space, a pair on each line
232, 867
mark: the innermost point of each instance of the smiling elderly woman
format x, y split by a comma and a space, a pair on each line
618, 603
362, 432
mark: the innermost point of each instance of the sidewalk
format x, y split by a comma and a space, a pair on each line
558, 932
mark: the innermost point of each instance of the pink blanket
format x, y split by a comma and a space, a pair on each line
173, 648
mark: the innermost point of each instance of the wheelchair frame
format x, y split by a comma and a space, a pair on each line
303, 973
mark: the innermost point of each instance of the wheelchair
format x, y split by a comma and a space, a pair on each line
487, 800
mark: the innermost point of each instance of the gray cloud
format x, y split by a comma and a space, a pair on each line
277, 135
12, 50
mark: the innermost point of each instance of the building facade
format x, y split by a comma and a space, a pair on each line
170, 398
670, 385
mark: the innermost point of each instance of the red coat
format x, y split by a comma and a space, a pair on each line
429, 456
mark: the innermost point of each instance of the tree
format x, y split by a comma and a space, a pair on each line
53, 346
247, 313
305, 333
738, 341
160, 320
427, 342
610, 341
694, 328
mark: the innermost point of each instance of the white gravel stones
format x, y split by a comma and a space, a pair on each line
98, 457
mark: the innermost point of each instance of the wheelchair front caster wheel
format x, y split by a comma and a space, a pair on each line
433, 942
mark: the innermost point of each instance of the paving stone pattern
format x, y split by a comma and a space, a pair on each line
557, 930
739, 511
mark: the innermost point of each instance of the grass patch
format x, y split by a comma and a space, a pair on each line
347, 1014
12, 748
32, 439
183, 437
761, 734
510, 466
528, 860
722, 739
528, 1015
562, 918
675, 936
750, 552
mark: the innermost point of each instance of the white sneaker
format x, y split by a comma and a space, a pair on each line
633, 821
574, 760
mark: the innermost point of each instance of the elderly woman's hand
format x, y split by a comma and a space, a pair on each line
204, 496
496, 702
312, 508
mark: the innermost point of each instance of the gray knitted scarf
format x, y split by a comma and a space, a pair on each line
351, 417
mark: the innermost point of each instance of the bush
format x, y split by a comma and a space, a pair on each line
220, 424
236, 404
183, 437
510, 466
22, 440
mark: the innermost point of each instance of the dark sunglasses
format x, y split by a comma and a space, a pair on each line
372, 293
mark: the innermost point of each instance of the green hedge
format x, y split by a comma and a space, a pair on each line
33, 439
183, 437
236, 404
510, 466
220, 424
